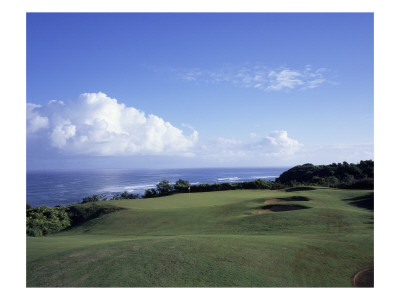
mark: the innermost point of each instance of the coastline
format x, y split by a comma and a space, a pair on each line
63, 187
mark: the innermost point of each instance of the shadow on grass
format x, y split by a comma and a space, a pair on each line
366, 201
300, 188
296, 198
81, 213
279, 208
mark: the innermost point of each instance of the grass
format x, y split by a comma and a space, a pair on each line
216, 239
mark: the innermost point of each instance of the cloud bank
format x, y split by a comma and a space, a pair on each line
95, 124
260, 77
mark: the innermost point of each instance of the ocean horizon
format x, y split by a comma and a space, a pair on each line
64, 187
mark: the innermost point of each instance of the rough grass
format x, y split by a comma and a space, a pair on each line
211, 240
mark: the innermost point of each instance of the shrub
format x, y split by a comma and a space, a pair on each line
94, 198
150, 193
164, 188
80, 213
34, 231
182, 186
367, 183
126, 195
46, 220
262, 184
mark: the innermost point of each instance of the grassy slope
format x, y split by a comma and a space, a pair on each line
211, 239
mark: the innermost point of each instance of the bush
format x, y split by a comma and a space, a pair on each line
125, 195
94, 198
359, 184
278, 186
203, 187
34, 231
151, 193
80, 213
262, 184
46, 220
182, 186
164, 188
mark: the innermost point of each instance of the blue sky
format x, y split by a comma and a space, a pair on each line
198, 90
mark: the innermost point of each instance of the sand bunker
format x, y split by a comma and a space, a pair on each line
294, 198
363, 278
300, 188
270, 205
283, 207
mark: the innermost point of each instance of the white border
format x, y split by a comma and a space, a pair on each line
12, 24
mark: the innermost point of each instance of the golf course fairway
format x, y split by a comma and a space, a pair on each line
316, 237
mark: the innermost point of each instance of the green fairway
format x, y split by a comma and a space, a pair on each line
242, 238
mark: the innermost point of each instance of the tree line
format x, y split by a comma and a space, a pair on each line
341, 175
164, 188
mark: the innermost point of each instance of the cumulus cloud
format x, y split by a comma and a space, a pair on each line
278, 143
96, 124
260, 77
34, 120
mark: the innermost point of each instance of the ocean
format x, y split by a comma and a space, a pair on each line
65, 187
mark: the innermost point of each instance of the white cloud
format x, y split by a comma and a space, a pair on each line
276, 144
284, 79
61, 133
96, 124
34, 121
260, 77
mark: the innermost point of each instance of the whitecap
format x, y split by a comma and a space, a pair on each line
228, 179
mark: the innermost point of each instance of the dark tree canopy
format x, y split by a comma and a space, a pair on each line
164, 188
340, 174
182, 186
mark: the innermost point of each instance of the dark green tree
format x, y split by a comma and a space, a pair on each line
164, 188
150, 193
182, 186
94, 198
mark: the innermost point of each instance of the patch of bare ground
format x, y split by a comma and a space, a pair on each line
275, 200
259, 212
363, 278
